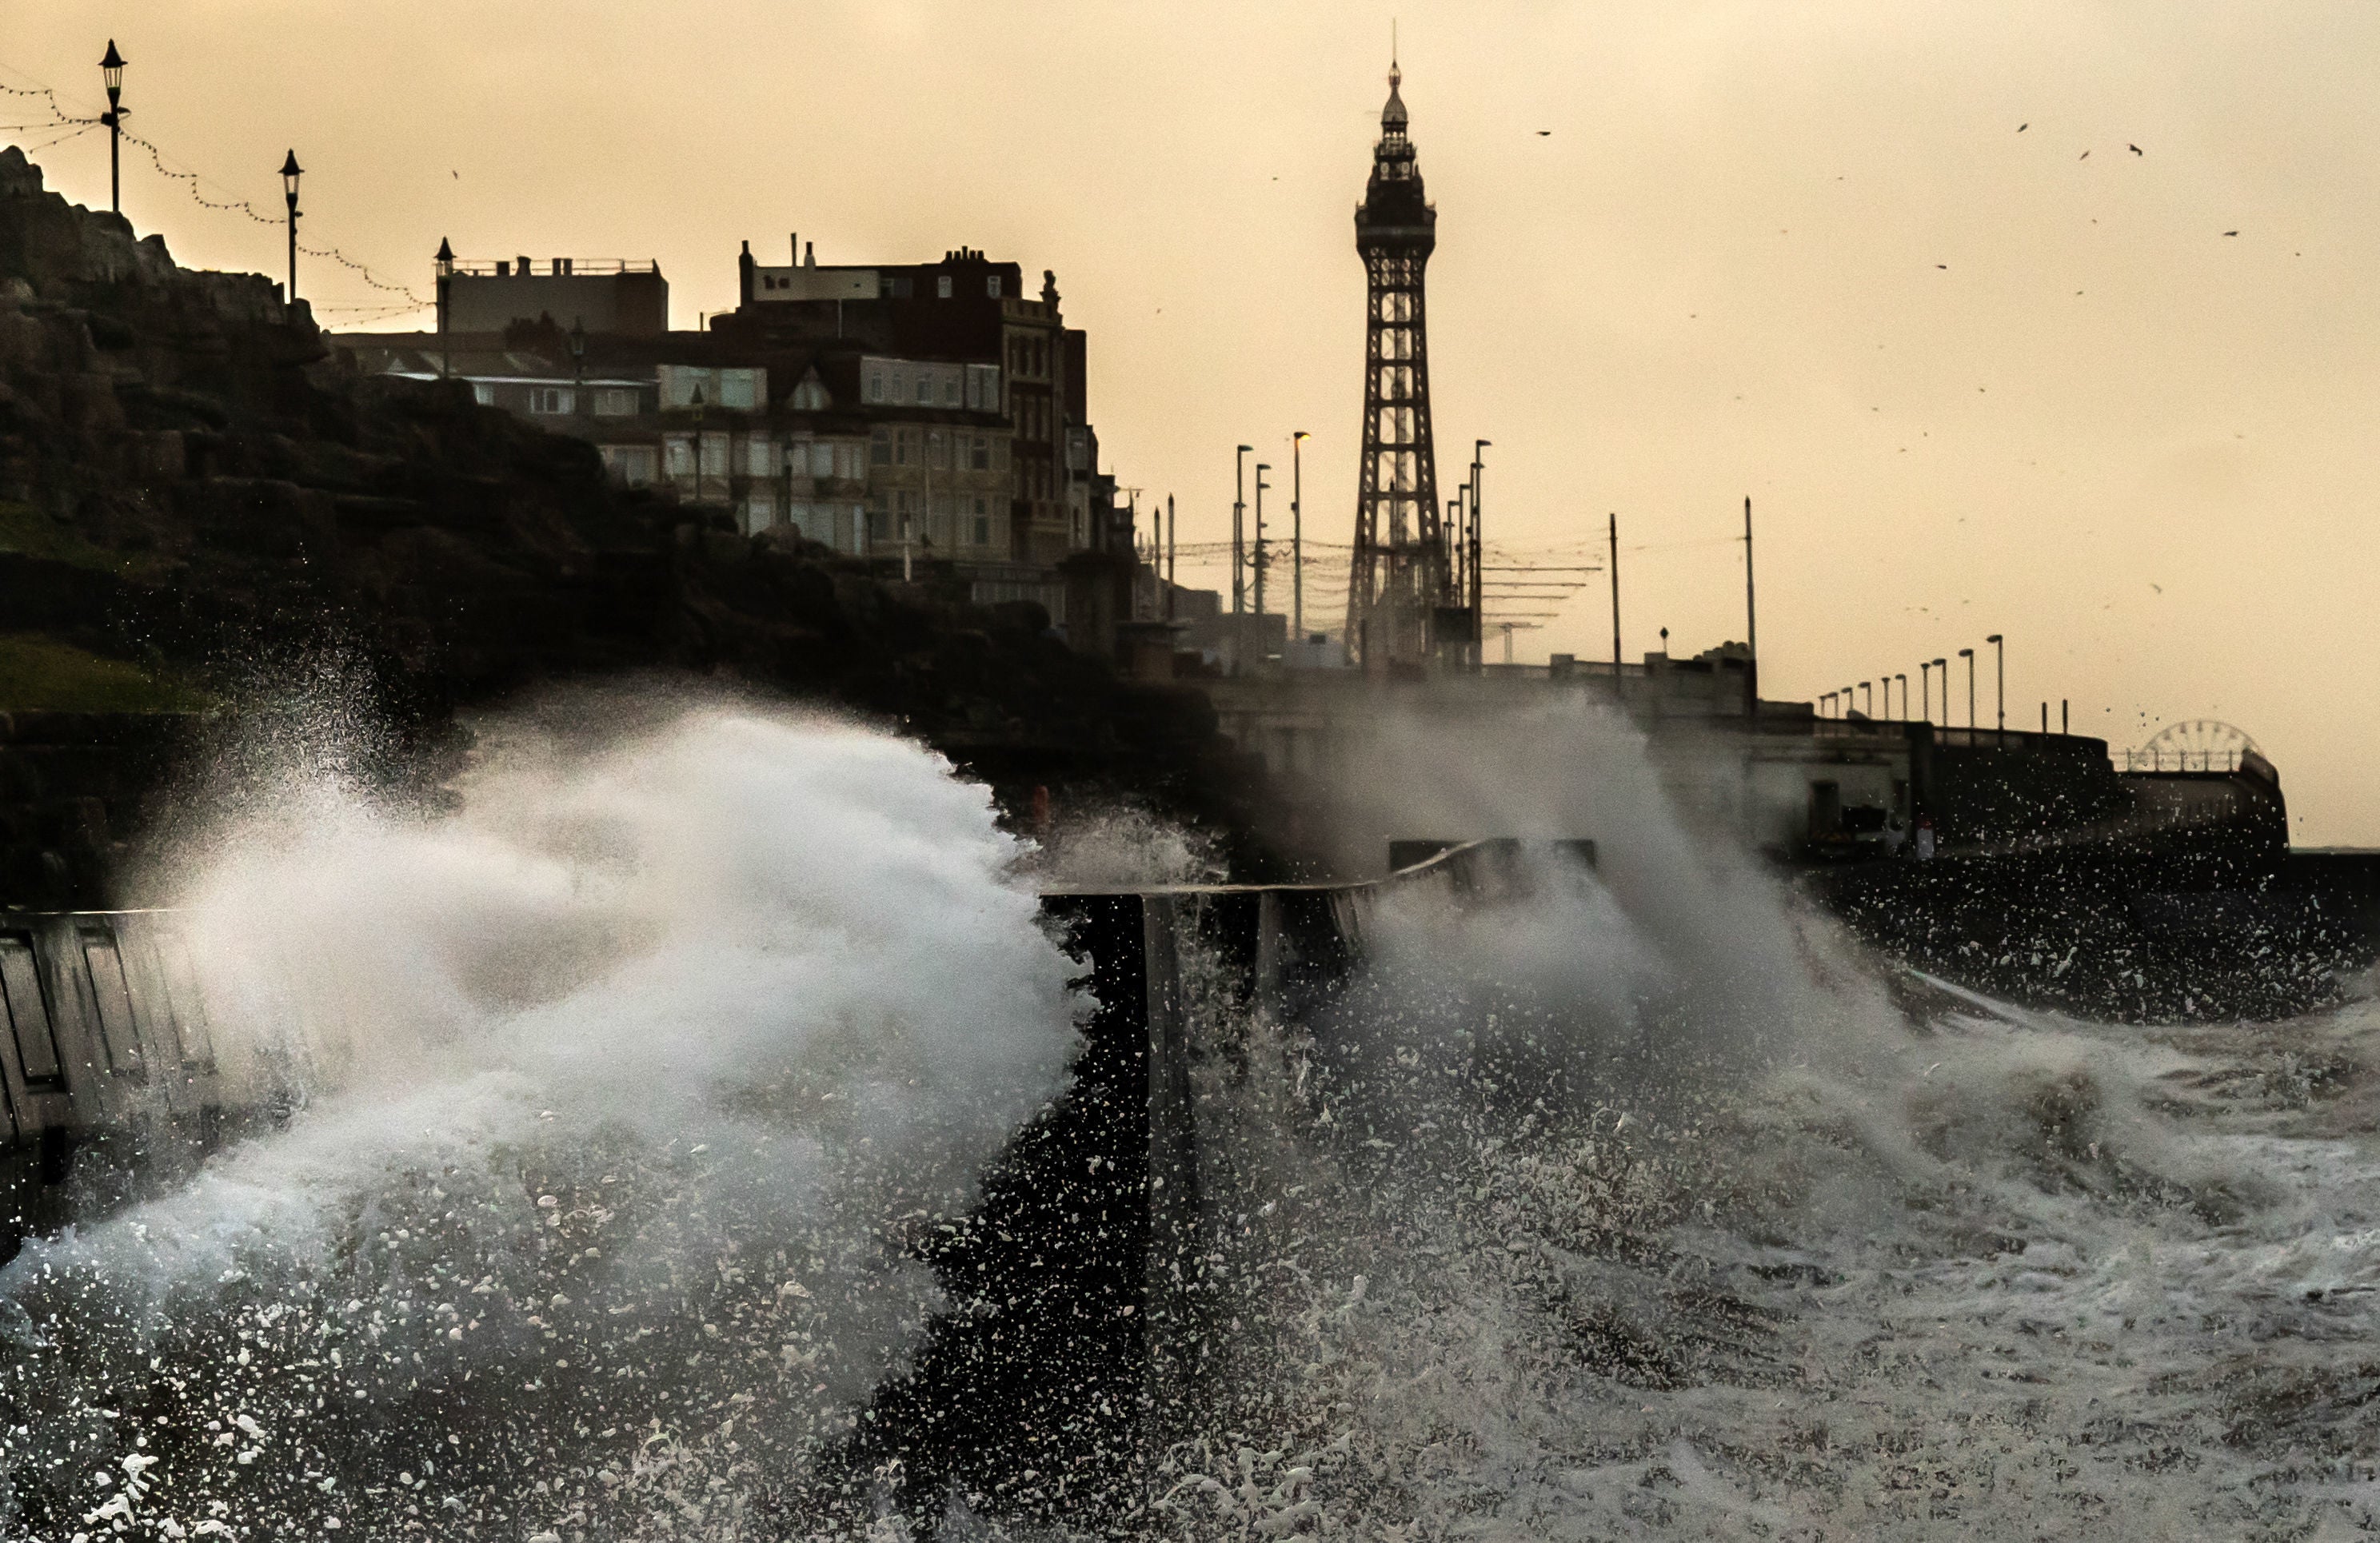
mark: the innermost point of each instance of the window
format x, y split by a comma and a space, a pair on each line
875, 385
979, 455
879, 523
900, 447
758, 462
982, 523
630, 465
925, 389
950, 389
821, 459
482, 393
681, 455
942, 287
615, 402
880, 447
739, 388
938, 451
991, 286
714, 455
809, 396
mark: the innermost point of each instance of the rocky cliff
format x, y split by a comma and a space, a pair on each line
196, 495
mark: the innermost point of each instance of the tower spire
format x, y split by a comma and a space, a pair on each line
1399, 595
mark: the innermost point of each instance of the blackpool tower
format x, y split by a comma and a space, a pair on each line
1402, 572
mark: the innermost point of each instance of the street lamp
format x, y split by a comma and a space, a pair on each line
1944, 666
1297, 535
111, 69
1904, 696
290, 172
1238, 508
1969, 654
2000, 666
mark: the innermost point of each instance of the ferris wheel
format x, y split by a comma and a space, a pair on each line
2195, 744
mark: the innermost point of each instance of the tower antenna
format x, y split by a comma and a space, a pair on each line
1402, 583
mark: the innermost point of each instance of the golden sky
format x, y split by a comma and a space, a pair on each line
1974, 380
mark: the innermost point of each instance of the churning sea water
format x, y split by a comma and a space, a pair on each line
634, 1081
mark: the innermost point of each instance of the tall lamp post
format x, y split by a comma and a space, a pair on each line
1904, 695
1239, 514
1944, 666
111, 69
1925, 691
290, 172
1999, 667
1297, 536
1969, 654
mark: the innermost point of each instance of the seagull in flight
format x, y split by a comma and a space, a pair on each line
2135, 149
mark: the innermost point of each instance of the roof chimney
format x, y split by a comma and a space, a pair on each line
809, 254
796, 238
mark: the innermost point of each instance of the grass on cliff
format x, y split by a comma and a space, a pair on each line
39, 674
28, 531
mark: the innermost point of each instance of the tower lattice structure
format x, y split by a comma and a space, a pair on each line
1401, 570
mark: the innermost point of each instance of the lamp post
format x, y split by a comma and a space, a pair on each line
1925, 691
290, 172
111, 69
1969, 654
1867, 691
1297, 535
1944, 666
1904, 696
1999, 668
1262, 467
1239, 512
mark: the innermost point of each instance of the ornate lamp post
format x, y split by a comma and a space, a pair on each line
111, 69
290, 172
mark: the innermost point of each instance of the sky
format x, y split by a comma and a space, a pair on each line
1893, 272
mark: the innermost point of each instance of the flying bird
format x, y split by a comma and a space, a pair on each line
1943, 265
2022, 127
1544, 133
2231, 233
2084, 156
2135, 149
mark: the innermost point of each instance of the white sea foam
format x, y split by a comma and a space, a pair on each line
622, 1077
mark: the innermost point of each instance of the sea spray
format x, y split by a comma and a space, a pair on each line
626, 1080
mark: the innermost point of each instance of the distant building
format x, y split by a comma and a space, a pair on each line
625, 298
929, 409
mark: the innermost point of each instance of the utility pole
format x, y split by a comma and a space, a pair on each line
1999, 664
1261, 485
1618, 685
1751, 624
111, 70
290, 172
1239, 550
1969, 654
1297, 536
